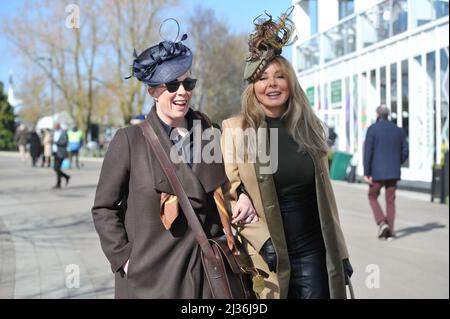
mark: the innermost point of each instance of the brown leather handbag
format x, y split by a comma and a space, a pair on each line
236, 269
229, 274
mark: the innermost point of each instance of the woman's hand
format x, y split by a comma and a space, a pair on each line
243, 212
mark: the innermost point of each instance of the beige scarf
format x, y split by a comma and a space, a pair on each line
169, 210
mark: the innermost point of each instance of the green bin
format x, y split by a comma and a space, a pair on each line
339, 165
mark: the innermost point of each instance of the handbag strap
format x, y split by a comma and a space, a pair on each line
350, 288
212, 266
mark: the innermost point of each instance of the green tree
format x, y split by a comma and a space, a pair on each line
6, 122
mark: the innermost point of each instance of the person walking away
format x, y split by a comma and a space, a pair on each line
60, 153
75, 141
21, 139
385, 150
35, 147
331, 141
41, 136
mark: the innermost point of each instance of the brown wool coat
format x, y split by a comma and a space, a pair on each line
126, 213
262, 191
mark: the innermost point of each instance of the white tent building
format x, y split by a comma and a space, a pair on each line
62, 118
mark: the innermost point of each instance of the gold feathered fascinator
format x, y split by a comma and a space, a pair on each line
266, 42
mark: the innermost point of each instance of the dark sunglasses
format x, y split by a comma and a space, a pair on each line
188, 84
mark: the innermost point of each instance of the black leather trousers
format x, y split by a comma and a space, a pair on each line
309, 277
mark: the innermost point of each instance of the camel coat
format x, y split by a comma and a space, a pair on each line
47, 141
126, 212
261, 189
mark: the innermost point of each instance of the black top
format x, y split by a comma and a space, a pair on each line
184, 145
296, 191
295, 174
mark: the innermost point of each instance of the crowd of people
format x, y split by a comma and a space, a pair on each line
55, 143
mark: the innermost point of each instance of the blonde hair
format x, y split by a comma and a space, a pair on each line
303, 125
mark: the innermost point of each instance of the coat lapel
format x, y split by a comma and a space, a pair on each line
211, 175
191, 185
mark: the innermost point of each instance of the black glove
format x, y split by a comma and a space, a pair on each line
241, 190
348, 270
269, 255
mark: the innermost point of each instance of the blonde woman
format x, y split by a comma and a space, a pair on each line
287, 218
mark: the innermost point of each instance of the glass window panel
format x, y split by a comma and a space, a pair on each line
405, 102
441, 7
308, 54
372, 94
385, 20
325, 96
313, 15
333, 44
355, 113
383, 85
383, 13
444, 99
399, 16
431, 105
340, 40
346, 8
347, 113
364, 98
311, 9
349, 29
375, 24
328, 51
394, 115
368, 28
319, 103
422, 12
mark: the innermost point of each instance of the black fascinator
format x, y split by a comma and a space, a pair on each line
162, 63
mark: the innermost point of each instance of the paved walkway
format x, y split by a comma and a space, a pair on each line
47, 237
416, 264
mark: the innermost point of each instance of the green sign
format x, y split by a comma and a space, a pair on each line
336, 91
310, 95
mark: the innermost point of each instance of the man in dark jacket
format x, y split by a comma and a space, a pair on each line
60, 153
385, 150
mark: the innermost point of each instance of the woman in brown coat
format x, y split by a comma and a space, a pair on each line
298, 238
154, 255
